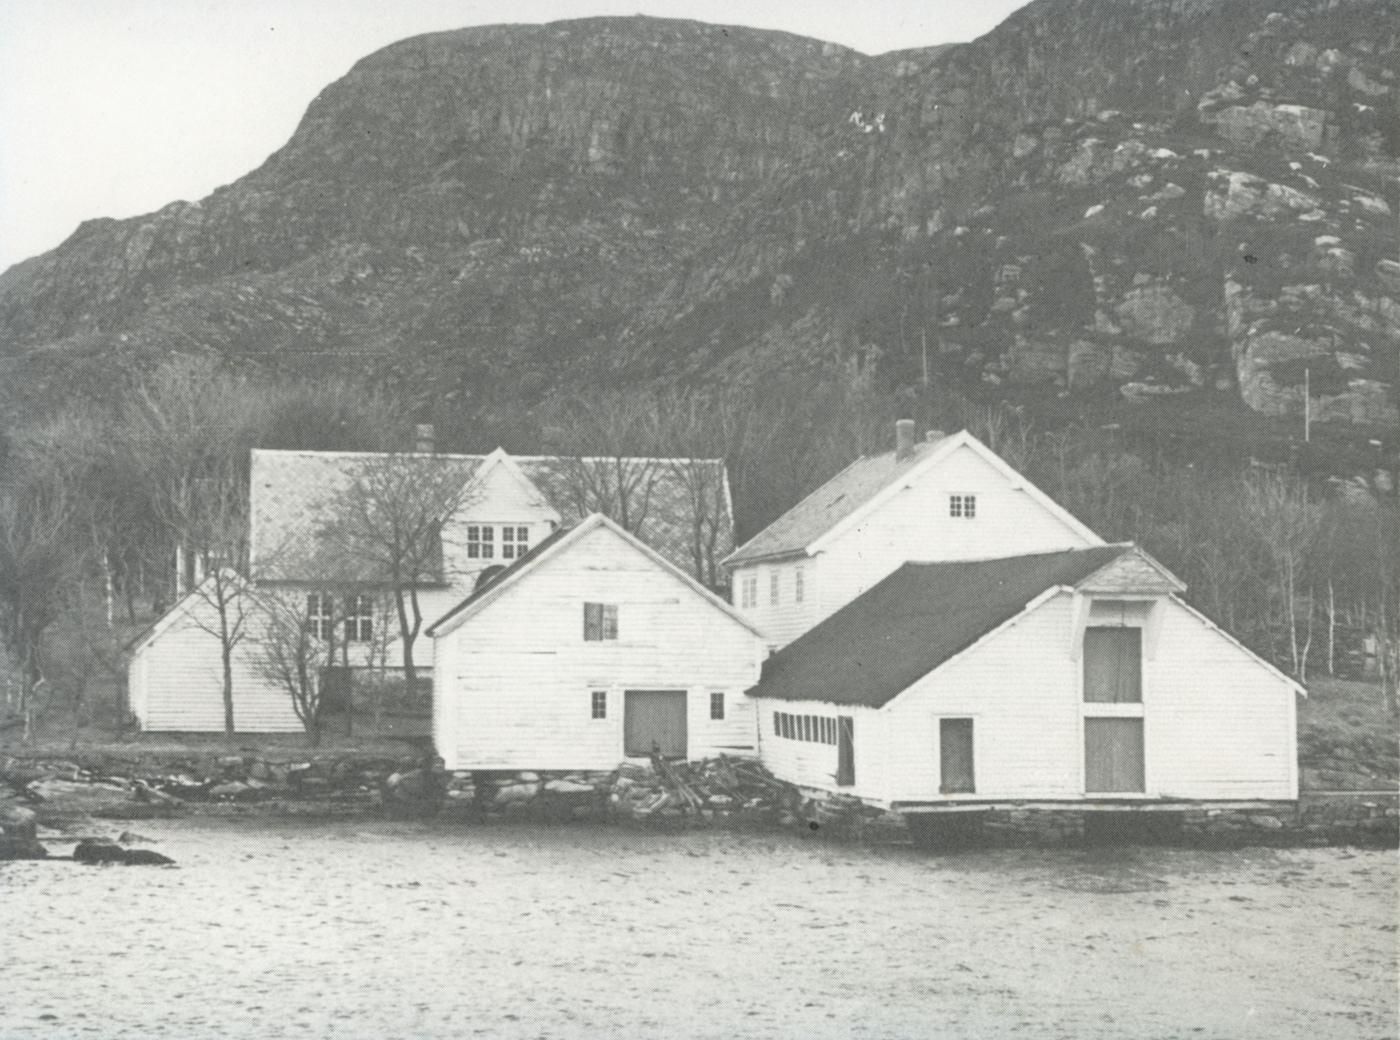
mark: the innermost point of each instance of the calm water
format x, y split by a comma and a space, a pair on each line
404, 930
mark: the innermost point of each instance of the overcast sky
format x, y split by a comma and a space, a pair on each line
116, 107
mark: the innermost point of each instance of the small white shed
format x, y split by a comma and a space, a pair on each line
1075, 678
592, 649
175, 677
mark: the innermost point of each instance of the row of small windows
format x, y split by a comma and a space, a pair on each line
815, 728
357, 617
748, 587
598, 703
482, 542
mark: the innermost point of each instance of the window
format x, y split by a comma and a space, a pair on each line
599, 622
1113, 665
962, 506
798, 585
748, 590
481, 543
600, 704
515, 542
359, 619
815, 729
774, 576
717, 706
320, 612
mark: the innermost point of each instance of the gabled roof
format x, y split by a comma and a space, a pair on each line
918, 618
199, 594
864, 485
557, 544
294, 493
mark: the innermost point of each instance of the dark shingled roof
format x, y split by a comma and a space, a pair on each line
923, 614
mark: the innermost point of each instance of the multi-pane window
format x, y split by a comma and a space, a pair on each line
748, 590
515, 542
600, 704
481, 542
717, 706
320, 614
798, 585
962, 506
359, 619
774, 576
599, 622
816, 729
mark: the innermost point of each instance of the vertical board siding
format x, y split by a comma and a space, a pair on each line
517, 677
1217, 723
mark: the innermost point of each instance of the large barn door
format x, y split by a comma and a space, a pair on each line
1113, 760
654, 719
955, 756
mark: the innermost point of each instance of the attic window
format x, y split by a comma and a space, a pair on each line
964, 507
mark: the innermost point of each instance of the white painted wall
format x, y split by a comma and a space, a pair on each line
914, 525
787, 618
1218, 724
175, 682
513, 682
813, 764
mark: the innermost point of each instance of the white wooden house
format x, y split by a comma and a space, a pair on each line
175, 673
944, 498
960, 641
508, 504
591, 649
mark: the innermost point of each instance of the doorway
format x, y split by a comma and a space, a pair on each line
654, 720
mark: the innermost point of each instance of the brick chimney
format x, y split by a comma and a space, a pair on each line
424, 441
903, 439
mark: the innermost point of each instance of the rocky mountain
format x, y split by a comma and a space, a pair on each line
1100, 201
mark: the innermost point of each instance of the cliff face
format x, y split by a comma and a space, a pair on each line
1149, 198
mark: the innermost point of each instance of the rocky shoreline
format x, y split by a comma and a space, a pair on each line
37, 793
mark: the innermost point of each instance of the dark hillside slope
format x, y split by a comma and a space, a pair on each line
1100, 201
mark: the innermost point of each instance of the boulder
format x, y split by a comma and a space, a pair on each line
17, 821
568, 787
98, 851
14, 847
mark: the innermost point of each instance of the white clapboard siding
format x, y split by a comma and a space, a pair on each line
788, 618
514, 679
1218, 724
175, 682
914, 525
812, 764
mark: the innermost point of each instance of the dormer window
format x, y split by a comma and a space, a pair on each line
481, 542
963, 507
515, 542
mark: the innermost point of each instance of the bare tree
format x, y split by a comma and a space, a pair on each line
607, 451
293, 651
38, 560
1288, 522
391, 522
